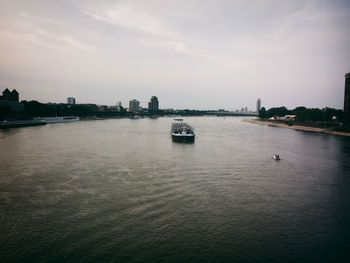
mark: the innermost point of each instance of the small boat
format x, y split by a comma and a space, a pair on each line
276, 156
182, 132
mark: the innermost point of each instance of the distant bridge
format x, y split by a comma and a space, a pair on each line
231, 113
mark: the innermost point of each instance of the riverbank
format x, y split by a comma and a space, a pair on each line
297, 127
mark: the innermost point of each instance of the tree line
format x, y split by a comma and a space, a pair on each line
303, 114
37, 109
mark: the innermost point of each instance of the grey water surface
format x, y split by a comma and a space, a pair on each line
120, 190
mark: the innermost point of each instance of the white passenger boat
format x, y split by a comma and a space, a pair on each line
58, 119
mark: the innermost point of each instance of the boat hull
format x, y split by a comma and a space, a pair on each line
19, 124
182, 138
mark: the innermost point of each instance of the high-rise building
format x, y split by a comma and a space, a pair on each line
70, 100
118, 105
258, 105
347, 96
134, 106
153, 105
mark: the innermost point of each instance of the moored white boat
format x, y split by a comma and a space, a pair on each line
58, 119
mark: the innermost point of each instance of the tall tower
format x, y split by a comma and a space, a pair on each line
6, 94
134, 106
258, 105
14, 95
153, 105
347, 96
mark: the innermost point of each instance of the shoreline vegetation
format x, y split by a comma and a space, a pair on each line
297, 127
33, 109
326, 120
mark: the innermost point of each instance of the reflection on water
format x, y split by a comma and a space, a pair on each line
122, 191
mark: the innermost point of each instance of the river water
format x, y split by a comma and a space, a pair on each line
120, 190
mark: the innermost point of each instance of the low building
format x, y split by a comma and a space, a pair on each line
8, 95
102, 108
284, 118
10, 99
288, 117
71, 100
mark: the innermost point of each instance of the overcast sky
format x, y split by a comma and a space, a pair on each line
197, 54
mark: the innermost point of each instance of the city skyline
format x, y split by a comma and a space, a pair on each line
219, 54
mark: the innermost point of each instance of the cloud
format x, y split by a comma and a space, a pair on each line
126, 16
237, 47
55, 41
51, 33
153, 29
60, 39
180, 47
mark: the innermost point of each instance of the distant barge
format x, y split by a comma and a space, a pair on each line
37, 121
18, 124
182, 132
58, 119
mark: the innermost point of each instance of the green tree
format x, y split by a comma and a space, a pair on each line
300, 113
280, 111
262, 112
